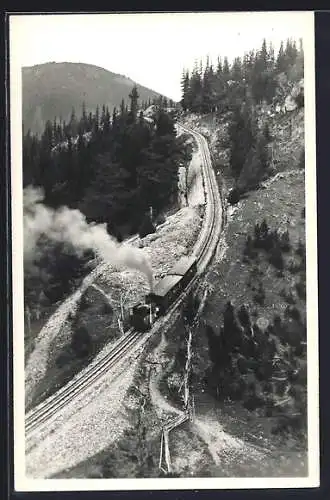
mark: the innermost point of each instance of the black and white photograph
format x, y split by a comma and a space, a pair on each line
164, 262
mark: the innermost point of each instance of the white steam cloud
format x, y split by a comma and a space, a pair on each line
70, 226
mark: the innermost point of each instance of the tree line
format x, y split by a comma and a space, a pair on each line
239, 89
112, 167
255, 77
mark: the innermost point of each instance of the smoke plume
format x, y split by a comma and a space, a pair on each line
70, 226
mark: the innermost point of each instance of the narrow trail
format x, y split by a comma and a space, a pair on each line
105, 295
221, 444
226, 450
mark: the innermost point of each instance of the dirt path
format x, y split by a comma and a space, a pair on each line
225, 449
221, 444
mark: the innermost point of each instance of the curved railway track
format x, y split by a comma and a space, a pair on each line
204, 250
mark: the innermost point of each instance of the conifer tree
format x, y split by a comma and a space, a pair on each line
134, 96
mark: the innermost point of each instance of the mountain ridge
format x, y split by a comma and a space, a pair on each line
52, 89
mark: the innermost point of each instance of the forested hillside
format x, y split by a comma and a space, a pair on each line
243, 98
250, 348
50, 90
113, 167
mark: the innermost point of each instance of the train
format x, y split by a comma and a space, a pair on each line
164, 294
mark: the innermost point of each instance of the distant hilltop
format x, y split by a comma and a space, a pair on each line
51, 90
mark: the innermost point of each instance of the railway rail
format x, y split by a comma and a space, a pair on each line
204, 250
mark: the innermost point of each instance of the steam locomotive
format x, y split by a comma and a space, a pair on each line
165, 292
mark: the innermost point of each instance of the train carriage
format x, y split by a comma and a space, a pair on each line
186, 267
166, 291
169, 288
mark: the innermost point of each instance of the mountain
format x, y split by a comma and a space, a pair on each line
51, 90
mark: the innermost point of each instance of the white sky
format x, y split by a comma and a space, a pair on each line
152, 49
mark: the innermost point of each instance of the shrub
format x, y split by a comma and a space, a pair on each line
293, 312
264, 230
242, 365
300, 99
81, 342
295, 265
63, 359
244, 316
260, 296
233, 196
249, 250
256, 235
285, 242
288, 296
276, 258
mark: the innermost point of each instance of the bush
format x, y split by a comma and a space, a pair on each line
293, 312
63, 359
265, 238
285, 241
288, 296
260, 296
300, 99
295, 265
244, 316
233, 196
81, 342
242, 365
276, 258
249, 250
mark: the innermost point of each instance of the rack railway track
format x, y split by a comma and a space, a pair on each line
204, 250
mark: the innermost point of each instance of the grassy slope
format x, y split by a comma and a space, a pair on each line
281, 204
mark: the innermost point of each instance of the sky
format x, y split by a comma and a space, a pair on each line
152, 49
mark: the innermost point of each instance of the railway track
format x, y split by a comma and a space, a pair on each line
204, 249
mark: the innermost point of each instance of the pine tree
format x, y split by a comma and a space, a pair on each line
280, 61
196, 91
242, 137
207, 89
263, 56
73, 123
122, 108
236, 70
134, 96
185, 89
225, 69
